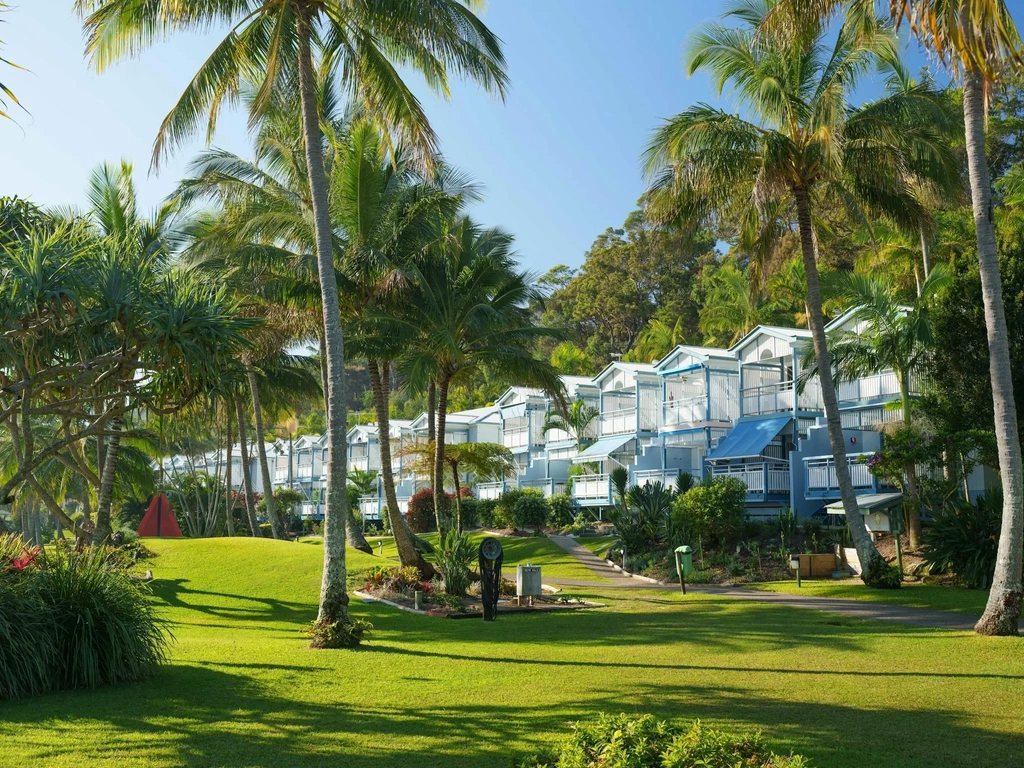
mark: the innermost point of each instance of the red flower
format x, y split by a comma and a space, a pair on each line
25, 559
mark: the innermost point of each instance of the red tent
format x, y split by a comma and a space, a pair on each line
159, 520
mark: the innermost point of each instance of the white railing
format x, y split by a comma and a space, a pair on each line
361, 464
689, 411
874, 387
591, 488
517, 437
770, 398
869, 418
820, 473
667, 477
559, 436
619, 422
757, 477
369, 507
403, 504
281, 475
489, 490
778, 398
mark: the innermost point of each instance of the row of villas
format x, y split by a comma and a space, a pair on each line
712, 412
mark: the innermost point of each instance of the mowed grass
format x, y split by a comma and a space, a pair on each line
937, 598
243, 688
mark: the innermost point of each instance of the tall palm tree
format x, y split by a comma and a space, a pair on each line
656, 340
977, 39
805, 142
5, 8
274, 42
471, 307
897, 336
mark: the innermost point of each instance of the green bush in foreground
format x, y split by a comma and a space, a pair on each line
71, 620
625, 741
963, 539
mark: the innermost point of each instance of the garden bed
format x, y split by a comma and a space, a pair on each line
471, 607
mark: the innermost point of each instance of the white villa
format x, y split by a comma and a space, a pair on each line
734, 412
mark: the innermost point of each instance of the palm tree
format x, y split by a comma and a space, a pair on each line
472, 310
485, 461
5, 8
808, 144
977, 39
897, 337
576, 420
274, 41
656, 340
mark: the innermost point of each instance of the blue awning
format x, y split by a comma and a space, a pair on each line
749, 438
603, 448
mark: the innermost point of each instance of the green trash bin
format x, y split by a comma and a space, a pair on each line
684, 561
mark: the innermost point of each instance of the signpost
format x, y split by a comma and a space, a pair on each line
490, 558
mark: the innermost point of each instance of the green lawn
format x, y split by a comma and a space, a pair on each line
599, 545
970, 601
243, 688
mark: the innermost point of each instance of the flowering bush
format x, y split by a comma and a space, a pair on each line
906, 445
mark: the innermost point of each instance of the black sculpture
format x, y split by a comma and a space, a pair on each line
491, 556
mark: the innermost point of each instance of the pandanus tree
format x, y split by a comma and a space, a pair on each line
803, 141
979, 42
471, 311
277, 43
896, 335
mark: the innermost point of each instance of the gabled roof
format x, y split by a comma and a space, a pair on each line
703, 353
489, 413
791, 335
618, 365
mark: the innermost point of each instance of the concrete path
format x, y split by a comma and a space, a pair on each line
861, 609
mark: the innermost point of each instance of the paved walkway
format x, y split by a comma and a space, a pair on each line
862, 609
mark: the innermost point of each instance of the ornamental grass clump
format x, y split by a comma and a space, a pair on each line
72, 620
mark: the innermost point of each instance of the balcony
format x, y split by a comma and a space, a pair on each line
592, 490
667, 477
516, 437
489, 490
778, 398
359, 463
369, 508
693, 410
620, 422
762, 479
820, 476
548, 487
880, 386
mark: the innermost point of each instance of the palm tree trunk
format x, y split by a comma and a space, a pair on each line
333, 594
1004, 600
243, 452
106, 493
276, 529
442, 418
353, 531
432, 419
407, 553
229, 523
925, 255
914, 507
866, 551
458, 499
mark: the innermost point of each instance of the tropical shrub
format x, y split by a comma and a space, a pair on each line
713, 509
337, 634
453, 560
561, 510
421, 516
70, 620
486, 512
522, 509
963, 538
646, 742
881, 575
470, 511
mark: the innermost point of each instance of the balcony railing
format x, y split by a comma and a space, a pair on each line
760, 479
820, 474
689, 411
518, 437
369, 507
489, 490
778, 398
621, 422
592, 488
549, 487
875, 387
667, 477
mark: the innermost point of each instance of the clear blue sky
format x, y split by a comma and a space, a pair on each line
559, 159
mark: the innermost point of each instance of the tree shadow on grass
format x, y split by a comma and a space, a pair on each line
213, 715
176, 594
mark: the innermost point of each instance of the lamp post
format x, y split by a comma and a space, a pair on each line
794, 563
